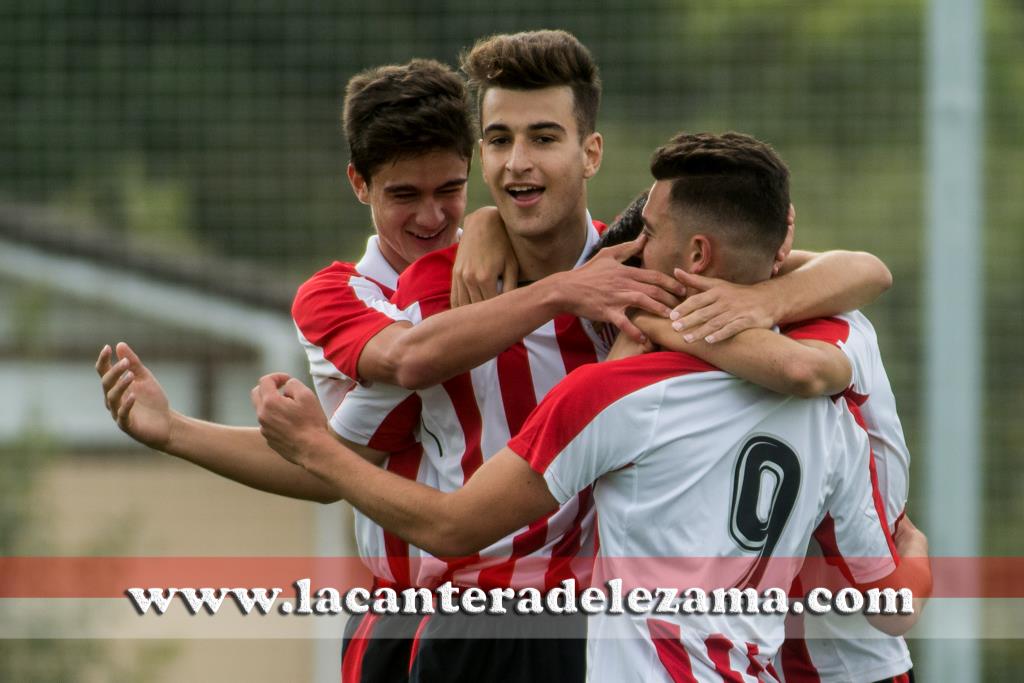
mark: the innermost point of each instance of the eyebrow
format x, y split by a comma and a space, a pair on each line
540, 125
398, 189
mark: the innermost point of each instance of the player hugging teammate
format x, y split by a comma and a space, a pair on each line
438, 392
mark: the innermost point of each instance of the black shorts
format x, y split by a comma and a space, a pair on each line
902, 678
376, 647
509, 648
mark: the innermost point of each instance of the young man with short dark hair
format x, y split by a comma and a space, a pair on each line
538, 148
677, 447
410, 140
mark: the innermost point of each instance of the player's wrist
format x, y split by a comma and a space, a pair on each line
553, 294
177, 424
772, 300
311, 451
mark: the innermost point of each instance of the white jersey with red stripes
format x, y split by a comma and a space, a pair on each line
699, 478
470, 417
835, 648
336, 312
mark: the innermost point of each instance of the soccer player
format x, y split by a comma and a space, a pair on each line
537, 96
410, 141
838, 652
341, 317
677, 448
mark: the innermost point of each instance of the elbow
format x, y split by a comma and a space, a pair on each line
411, 370
882, 276
893, 625
326, 499
414, 375
803, 381
451, 534
447, 540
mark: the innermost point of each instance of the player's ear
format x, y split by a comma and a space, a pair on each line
360, 186
593, 150
698, 253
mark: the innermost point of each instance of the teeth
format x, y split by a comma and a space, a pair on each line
522, 188
425, 237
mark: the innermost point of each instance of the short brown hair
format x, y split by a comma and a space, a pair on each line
533, 60
733, 180
399, 111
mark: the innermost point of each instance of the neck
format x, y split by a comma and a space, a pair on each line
394, 259
555, 251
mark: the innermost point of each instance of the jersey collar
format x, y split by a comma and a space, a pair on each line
374, 266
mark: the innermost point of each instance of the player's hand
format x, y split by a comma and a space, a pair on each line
604, 289
290, 416
136, 401
484, 255
715, 310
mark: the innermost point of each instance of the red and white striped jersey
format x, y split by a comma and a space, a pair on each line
336, 312
846, 648
696, 471
470, 417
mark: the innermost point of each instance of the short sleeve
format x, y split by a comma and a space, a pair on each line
336, 312
852, 334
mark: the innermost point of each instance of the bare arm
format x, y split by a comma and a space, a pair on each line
914, 572
502, 496
802, 368
809, 286
139, 406
446, 344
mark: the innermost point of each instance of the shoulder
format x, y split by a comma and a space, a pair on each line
576, 404
590, 389
338, 284
428, 276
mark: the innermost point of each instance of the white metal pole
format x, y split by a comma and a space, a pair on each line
954, 325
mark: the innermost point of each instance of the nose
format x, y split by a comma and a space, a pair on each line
519, 160
430, 214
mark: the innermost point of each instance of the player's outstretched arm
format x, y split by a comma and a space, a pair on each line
139, 406
809, 286
803, 368
458, 340
502, 496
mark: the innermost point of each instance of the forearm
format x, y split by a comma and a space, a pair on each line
913, 573
760, 356
458, 340
242, 455
417, 513
826, 284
